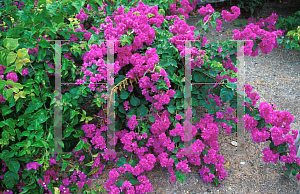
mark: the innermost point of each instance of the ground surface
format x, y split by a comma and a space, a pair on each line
275, 77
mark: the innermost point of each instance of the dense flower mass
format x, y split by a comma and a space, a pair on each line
228, 17
152, 123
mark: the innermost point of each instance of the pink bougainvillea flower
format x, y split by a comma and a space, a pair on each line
33, 165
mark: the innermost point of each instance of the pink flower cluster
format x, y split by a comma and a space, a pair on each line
48, 175
20, 6
228, 17
253, 96
82, 16
126, 105
208, 128
164, 161
51, 174
161, 123
166, 142
183, 165
270, 155
12, 76
163, 98
91, 131
291, 157
207, 9
252, 31
269, 23
278, 133
145, 185
33, 165
186, 8
130, 146
132, 122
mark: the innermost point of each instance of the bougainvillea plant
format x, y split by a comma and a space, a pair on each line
149, 71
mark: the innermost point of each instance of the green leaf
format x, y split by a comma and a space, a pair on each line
38, 144
22, 53
79, 145
233, 86
73, 113
25, 133
64, 166
226, 94
10, 43
151, 119
33, 106
197, 77
93, 39
5, 110
77, 5
13, 165
213, 23
108, 10
194, 102
41, 54
134, 101
175, 150
181, 145
269, 126
174, 157
94, 171
10, 122
205, 27
120, 183
58, 18
281, 148
22, 16
40, 2
8, 94
215, 15
180, 177
10, 8
164, 63
128, 175
211, 111
4, 54
132, 111
121, 162
133, 181
213, 73
178, 94
43, 43
52, 7
133, 162
173, 63
171, 109
10, 179
176, 139
124, 95
288, 166
122, 109
257, 118
294, 172
142, 111
11, 57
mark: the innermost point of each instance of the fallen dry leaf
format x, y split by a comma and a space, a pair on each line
226, 164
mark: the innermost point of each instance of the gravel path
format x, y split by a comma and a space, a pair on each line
276, 79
